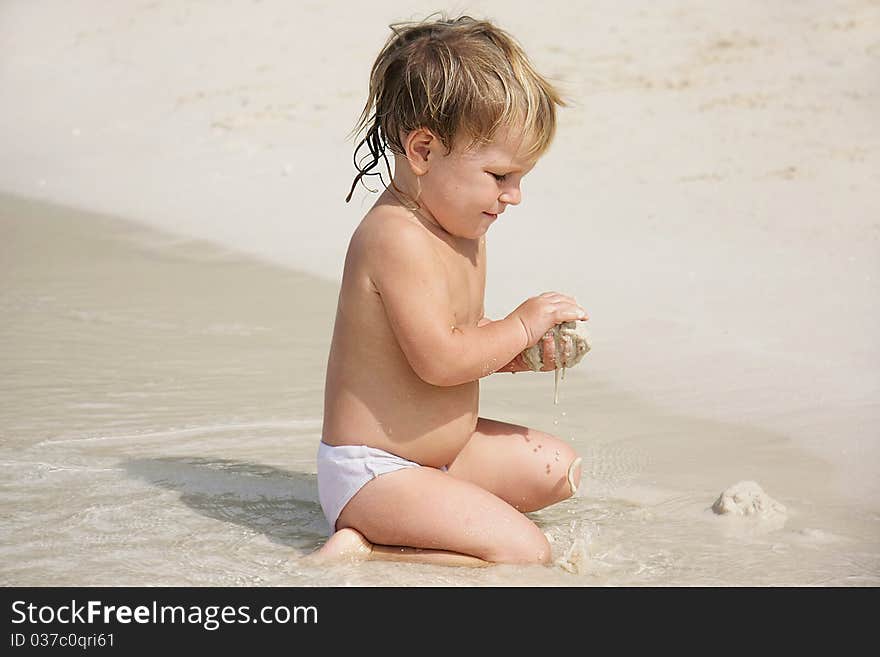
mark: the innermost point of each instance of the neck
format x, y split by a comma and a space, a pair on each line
402, 193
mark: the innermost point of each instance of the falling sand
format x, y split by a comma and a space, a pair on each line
571, 342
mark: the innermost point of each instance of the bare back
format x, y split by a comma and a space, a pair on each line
372, 394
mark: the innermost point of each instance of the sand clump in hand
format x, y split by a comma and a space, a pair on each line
747, 498
572, 342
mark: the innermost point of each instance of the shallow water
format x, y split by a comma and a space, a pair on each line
161, 404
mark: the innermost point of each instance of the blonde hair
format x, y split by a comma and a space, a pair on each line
454, 77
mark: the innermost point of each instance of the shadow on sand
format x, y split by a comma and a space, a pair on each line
282, 505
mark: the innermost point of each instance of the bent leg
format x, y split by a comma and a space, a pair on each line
349, 544
528, 469
441, 519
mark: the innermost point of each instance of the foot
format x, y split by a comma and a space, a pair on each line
345, 545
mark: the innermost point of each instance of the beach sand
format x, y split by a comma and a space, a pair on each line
162, 407
173, 233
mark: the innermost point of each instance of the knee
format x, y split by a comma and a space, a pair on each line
573, 475
530, 549
543, 553
557, 479
536, 550
569, 474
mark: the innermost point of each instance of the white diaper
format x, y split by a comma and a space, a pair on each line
344, 469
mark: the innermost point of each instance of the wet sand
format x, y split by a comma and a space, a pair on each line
161, 406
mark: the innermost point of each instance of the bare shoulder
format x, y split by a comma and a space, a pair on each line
385, 225
387, 241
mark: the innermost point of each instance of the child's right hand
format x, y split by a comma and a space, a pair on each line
539, 314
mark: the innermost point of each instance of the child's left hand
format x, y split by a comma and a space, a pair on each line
548, 352
562, 346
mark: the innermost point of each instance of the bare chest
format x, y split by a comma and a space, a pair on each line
466, 276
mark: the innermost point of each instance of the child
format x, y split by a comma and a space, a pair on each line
406, 468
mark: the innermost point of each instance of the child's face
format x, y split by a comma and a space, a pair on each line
465, 191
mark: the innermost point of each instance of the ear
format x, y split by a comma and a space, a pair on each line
420, 146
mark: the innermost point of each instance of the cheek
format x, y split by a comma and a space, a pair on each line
453, 195
475, 190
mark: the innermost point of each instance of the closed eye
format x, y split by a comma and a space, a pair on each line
498, 177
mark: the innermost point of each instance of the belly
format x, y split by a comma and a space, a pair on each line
420, 422
373, 397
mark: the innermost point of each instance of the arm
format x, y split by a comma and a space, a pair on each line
409, 276
515, 365
518, 364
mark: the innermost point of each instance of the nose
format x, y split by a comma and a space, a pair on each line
511, 196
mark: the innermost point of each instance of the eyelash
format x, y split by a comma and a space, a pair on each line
499, 178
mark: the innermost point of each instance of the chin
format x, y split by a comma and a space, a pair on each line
467, 232
471, 231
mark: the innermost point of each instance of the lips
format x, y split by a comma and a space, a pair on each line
494, 216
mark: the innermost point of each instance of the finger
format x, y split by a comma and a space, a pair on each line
548, 352
581, 312
570, 314
563, 298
